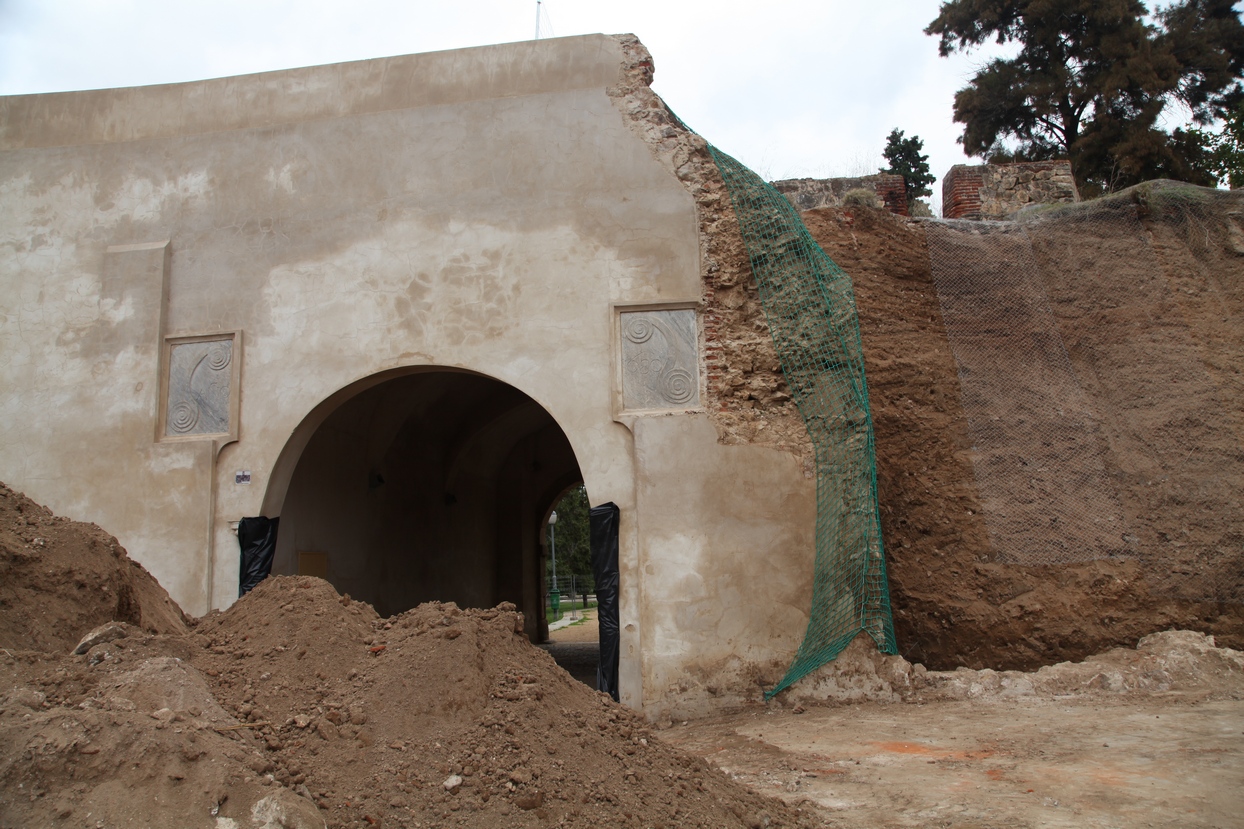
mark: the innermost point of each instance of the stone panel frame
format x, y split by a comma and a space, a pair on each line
681, 387
176, 384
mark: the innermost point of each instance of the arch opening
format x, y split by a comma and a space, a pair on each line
427, 486
574, 629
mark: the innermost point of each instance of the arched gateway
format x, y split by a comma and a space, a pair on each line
423, 484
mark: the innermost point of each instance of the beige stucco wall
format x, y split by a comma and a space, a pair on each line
727, 555
482, 209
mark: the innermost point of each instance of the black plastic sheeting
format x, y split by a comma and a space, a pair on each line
257, 537
603, 522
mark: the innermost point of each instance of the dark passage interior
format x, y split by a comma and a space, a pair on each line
432, 486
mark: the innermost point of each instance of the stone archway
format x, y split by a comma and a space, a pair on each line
420, 486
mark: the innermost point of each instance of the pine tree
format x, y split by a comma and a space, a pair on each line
1221, 153
1092, 79
573, 538
903, 155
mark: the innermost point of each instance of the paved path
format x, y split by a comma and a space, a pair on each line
576, 647
565, 629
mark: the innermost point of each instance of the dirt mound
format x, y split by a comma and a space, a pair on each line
442, 716
61, 578
302, 708
116, 743
1180, 663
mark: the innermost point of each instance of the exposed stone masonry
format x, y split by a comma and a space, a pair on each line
999, 191
811, 193
746, 393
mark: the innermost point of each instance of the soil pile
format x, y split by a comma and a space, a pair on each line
61, 578
1179, 662
301, 704
301, 708
126, 736
441, 716
1173, 663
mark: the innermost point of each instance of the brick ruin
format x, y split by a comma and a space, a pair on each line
981, 191
999, 191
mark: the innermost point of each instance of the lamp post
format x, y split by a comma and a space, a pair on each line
554, 594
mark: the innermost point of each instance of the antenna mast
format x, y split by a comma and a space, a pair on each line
538, 2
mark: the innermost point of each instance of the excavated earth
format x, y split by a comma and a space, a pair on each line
300, 708
956, 603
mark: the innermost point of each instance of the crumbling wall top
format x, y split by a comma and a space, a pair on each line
813, 193
999, 191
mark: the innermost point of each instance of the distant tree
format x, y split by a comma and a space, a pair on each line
903, 155
1092, 78
1222, 153
573, 537
1206, 38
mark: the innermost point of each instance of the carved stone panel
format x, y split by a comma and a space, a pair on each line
200, 379
660, 359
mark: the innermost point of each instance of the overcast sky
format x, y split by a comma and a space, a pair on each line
790, 87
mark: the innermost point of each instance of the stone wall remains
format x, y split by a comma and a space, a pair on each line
814, 193
999, 191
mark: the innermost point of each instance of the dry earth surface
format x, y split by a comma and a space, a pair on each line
956, 603
1073, 763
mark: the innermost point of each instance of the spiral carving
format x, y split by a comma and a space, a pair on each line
219, 357
659, 356
677, 386
638, 329
183, 416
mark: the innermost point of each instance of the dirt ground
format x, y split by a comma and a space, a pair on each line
1149, 736
1074, 763
981, 749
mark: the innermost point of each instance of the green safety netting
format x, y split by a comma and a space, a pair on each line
810, 306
